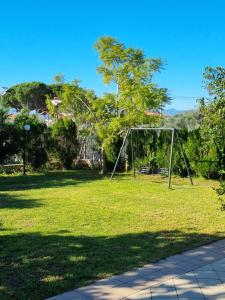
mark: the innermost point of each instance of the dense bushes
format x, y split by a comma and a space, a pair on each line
9, 142
33, 141
153, 150
64, 134
60, 141
40, 143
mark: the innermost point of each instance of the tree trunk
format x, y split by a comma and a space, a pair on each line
104, 167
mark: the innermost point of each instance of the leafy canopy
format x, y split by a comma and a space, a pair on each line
28, 95
132, 73
213, 124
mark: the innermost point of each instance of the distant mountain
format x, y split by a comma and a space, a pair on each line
189, 119
173, 111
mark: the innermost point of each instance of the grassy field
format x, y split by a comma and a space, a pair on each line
63, 230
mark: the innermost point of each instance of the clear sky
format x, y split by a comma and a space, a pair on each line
41, 38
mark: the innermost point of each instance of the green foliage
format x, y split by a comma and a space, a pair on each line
9, 141
59, 78
213, 125
3, 115
221, 195
131, 72
34, 141
215, 81
76, 102
28, 95
64, 134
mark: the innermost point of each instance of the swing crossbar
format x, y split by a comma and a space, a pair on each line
173, 132
151, 128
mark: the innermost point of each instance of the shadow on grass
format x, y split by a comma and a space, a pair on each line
47, 180
14, 202
35, 266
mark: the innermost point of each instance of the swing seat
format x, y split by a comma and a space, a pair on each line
164, 171
144, 170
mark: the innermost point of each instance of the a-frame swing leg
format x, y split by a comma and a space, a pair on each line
184, 158
171, 159
132, 153
118, 157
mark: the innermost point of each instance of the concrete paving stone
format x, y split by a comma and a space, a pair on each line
220, 250
214, 246
208, 260
205, 274
176, 258
151, 266
221, 275
163, 275
166, 264
142, 295
164, 298
199, 261
135, 274
219, 267
187, 266
216, 255
220, 243
218, 297
209, 291
189, 293
208, 267
72, 295
197, 252
209, 282
110, 282
103, 292
194, 275
222, 261
141, 283
166, 288
149, 284
190, 282
181, 298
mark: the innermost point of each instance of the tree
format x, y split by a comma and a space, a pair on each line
131, 72
213, 122
59, 78
35, 141
28, 95
76, 102
64, 134
9, 138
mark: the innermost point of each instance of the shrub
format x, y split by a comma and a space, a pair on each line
34, 141
64, 134
9, 141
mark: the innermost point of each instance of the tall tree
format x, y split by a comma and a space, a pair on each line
131, 71
213, 122
28, 95
59, 78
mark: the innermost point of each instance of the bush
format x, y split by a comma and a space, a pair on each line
34, 141
204, 159
9, 141
64, 134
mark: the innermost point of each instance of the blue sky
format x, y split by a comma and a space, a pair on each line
42, 38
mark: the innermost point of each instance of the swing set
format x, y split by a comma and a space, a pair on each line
144, 169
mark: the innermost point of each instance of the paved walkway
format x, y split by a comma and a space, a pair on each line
198, 274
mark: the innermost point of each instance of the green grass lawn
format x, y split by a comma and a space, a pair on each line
62, 230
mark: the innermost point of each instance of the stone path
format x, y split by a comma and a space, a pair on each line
197, 274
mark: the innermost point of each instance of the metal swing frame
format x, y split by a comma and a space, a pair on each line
174, 133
